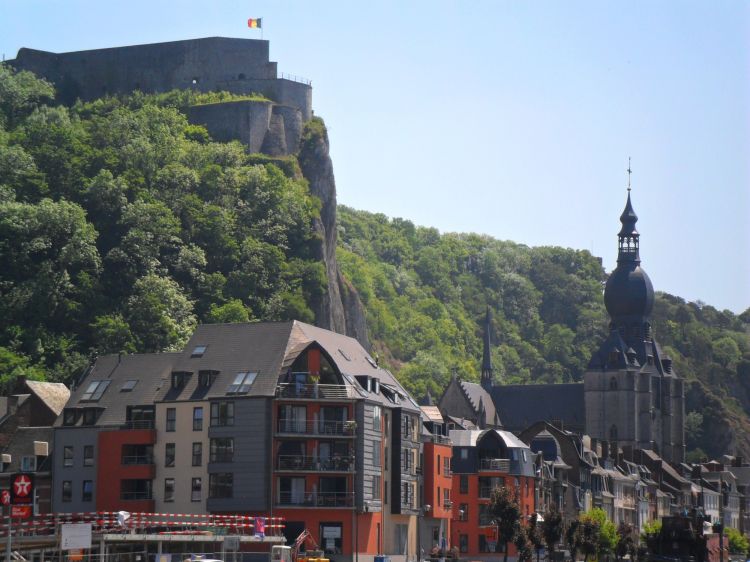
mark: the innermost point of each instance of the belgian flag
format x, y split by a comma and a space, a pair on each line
254, 23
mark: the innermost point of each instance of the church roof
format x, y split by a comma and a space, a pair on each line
521, 405
478, 395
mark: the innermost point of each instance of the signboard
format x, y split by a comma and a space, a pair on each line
75, 536
332, 532
22, 489
20, 511
231, 544
5, 497
260, 527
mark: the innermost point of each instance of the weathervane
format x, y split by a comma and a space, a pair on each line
629, 173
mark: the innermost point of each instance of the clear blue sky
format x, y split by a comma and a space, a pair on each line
514, 119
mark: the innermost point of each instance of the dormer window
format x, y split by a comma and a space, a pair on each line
70, 416
242, 383
198, 351
207, 378
179, 379
95, 390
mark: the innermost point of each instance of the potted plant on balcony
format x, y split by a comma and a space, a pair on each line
350, 426
315, 380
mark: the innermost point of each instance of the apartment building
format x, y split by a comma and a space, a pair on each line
276, 418
482, 461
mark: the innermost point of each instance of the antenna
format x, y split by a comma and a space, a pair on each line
630, 172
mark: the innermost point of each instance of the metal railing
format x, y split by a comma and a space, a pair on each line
136, 496
138, 459
317, 427
295, 78
315, 391
439, 439
317, 499
334, 463
138, 424
223, 456
498, 465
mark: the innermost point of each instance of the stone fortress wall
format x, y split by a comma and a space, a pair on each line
240, 66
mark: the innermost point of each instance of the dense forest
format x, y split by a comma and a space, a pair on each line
122, 226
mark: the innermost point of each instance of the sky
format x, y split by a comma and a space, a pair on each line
513, 119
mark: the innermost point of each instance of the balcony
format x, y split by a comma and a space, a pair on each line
138, 424
495, 465
438, 439
317, 427
316, 499
131, 496
292, 463
296, 391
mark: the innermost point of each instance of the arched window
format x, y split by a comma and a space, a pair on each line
613, 383
613, 433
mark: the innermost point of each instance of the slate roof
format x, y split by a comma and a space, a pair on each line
469, 438
54, 394
151, 370
432, 413
521, 405
476, 393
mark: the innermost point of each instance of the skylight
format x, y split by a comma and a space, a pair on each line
128, 385
242, 383
198, 351
95, 390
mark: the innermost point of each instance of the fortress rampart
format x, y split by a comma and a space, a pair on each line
239, 66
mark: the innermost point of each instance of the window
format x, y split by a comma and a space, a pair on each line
70, 416
89, 416
169, 489
195, 490
437, 496
438, 464
485, 544
463, 543
446, 466
135, 489
464, 454
376, 447
169, 454
141, 417
463, 511
95, 390
242, 383
376, 418
197, 454
67, 490
463, 484
401, 538
179, 379
376, 487
222, 449
28, 464
197, 419
222, 414
198, 351
385, 493
207, 378
447, 498
332, 535
171, 419
220, 485
88, 455
128, 386
68, 455
87, 492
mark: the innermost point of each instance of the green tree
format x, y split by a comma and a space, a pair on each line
231, 312
535, 535
573, 538
159, 314
650, 534
726, 351
507, 514
20, 93
738, 543
552, 528
112, 334
626, 541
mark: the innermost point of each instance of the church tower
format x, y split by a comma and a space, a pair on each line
486, 377
632, 395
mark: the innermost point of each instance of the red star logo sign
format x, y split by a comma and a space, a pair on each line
22, 486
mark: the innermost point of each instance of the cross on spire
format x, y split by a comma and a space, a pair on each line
629, 173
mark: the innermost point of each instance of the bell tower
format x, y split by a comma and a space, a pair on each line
631, 393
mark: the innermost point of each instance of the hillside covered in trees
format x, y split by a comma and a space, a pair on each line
122, 226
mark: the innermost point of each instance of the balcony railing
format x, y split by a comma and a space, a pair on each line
317, 499
136, 496
439, 439
315, 391
308, 464
138, 424
497, 465
317, 427
138, 459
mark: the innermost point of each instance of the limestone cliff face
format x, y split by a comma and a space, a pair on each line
342, 310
